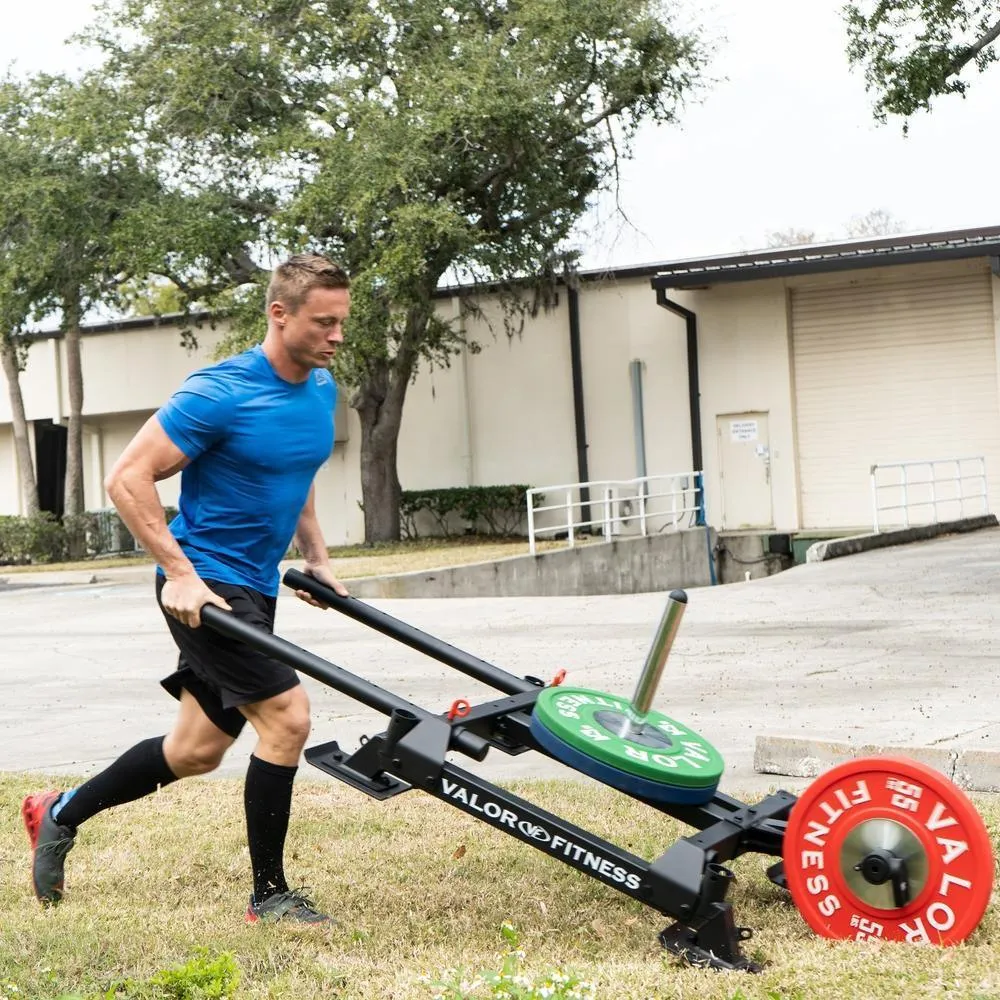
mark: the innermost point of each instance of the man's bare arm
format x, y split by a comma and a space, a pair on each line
309, 541
149, 457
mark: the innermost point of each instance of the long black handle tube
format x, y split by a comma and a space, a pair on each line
330, 674
445, 653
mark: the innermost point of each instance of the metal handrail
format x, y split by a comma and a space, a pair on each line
687, 499
905, 485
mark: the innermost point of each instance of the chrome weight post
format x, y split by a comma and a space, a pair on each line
656, 660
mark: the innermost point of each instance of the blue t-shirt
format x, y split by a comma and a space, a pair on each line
255, 443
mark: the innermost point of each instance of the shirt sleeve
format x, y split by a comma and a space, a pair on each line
199, 413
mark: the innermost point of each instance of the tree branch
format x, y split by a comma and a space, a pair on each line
973, 50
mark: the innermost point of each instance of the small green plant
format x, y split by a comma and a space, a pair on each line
204, 977
510, 983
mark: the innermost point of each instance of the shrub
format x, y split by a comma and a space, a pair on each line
45, 539
491, 510
38, 539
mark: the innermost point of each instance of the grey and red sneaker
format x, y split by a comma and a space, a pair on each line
291, 906
50, 843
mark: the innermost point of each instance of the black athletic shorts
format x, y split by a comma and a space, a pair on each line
222, 673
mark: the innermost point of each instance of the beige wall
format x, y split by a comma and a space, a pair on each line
435, 446
744, 366
138, 369
505, 414
40, 383
521, 395
126, 375
620, 322
10, 489
134, 369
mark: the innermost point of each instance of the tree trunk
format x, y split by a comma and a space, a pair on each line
380, 407
380, 489
22, 449
379, 403
76, 541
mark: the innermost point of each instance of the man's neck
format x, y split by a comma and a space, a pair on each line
284, 367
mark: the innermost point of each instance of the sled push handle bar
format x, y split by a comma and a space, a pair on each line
333, 676
451, 656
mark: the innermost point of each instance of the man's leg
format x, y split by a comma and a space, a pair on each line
282, 726
195, 745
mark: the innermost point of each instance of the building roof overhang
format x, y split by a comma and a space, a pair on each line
819, 258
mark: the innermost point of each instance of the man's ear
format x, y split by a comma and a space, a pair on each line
276, 311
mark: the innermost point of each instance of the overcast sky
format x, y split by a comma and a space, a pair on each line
785, 140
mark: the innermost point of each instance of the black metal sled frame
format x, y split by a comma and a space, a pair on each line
687, 883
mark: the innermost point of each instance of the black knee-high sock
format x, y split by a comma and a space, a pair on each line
267, 797
136, 773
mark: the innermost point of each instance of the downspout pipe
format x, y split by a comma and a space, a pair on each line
694, 391
694, 405
580, 419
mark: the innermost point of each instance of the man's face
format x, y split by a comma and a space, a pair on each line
312, 334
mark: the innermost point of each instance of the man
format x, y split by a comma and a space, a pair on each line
249, 434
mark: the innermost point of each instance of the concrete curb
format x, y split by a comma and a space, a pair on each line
972, 770
78, 577
836, 547
142, 573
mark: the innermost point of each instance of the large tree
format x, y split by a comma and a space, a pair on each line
410, 139
915, 50
87, 217
66, 204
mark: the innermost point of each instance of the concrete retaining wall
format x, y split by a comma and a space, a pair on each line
624, 566
836, 547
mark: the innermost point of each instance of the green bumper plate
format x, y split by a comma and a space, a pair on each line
605, 727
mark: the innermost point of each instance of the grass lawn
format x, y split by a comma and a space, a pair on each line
351, 561
417, 888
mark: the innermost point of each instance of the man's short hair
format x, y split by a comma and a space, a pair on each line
292, 280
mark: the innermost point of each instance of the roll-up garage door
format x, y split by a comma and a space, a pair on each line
889, 371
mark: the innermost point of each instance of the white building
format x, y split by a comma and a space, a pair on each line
782, 375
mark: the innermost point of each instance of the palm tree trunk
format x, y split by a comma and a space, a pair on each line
74, 503
22, 449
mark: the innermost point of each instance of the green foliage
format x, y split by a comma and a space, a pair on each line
510, 982
46, 539
71, 186
500, 509
201, 978
408, 139
39, 539
914, 50
153, 297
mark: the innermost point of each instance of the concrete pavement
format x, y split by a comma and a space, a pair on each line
890, 648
